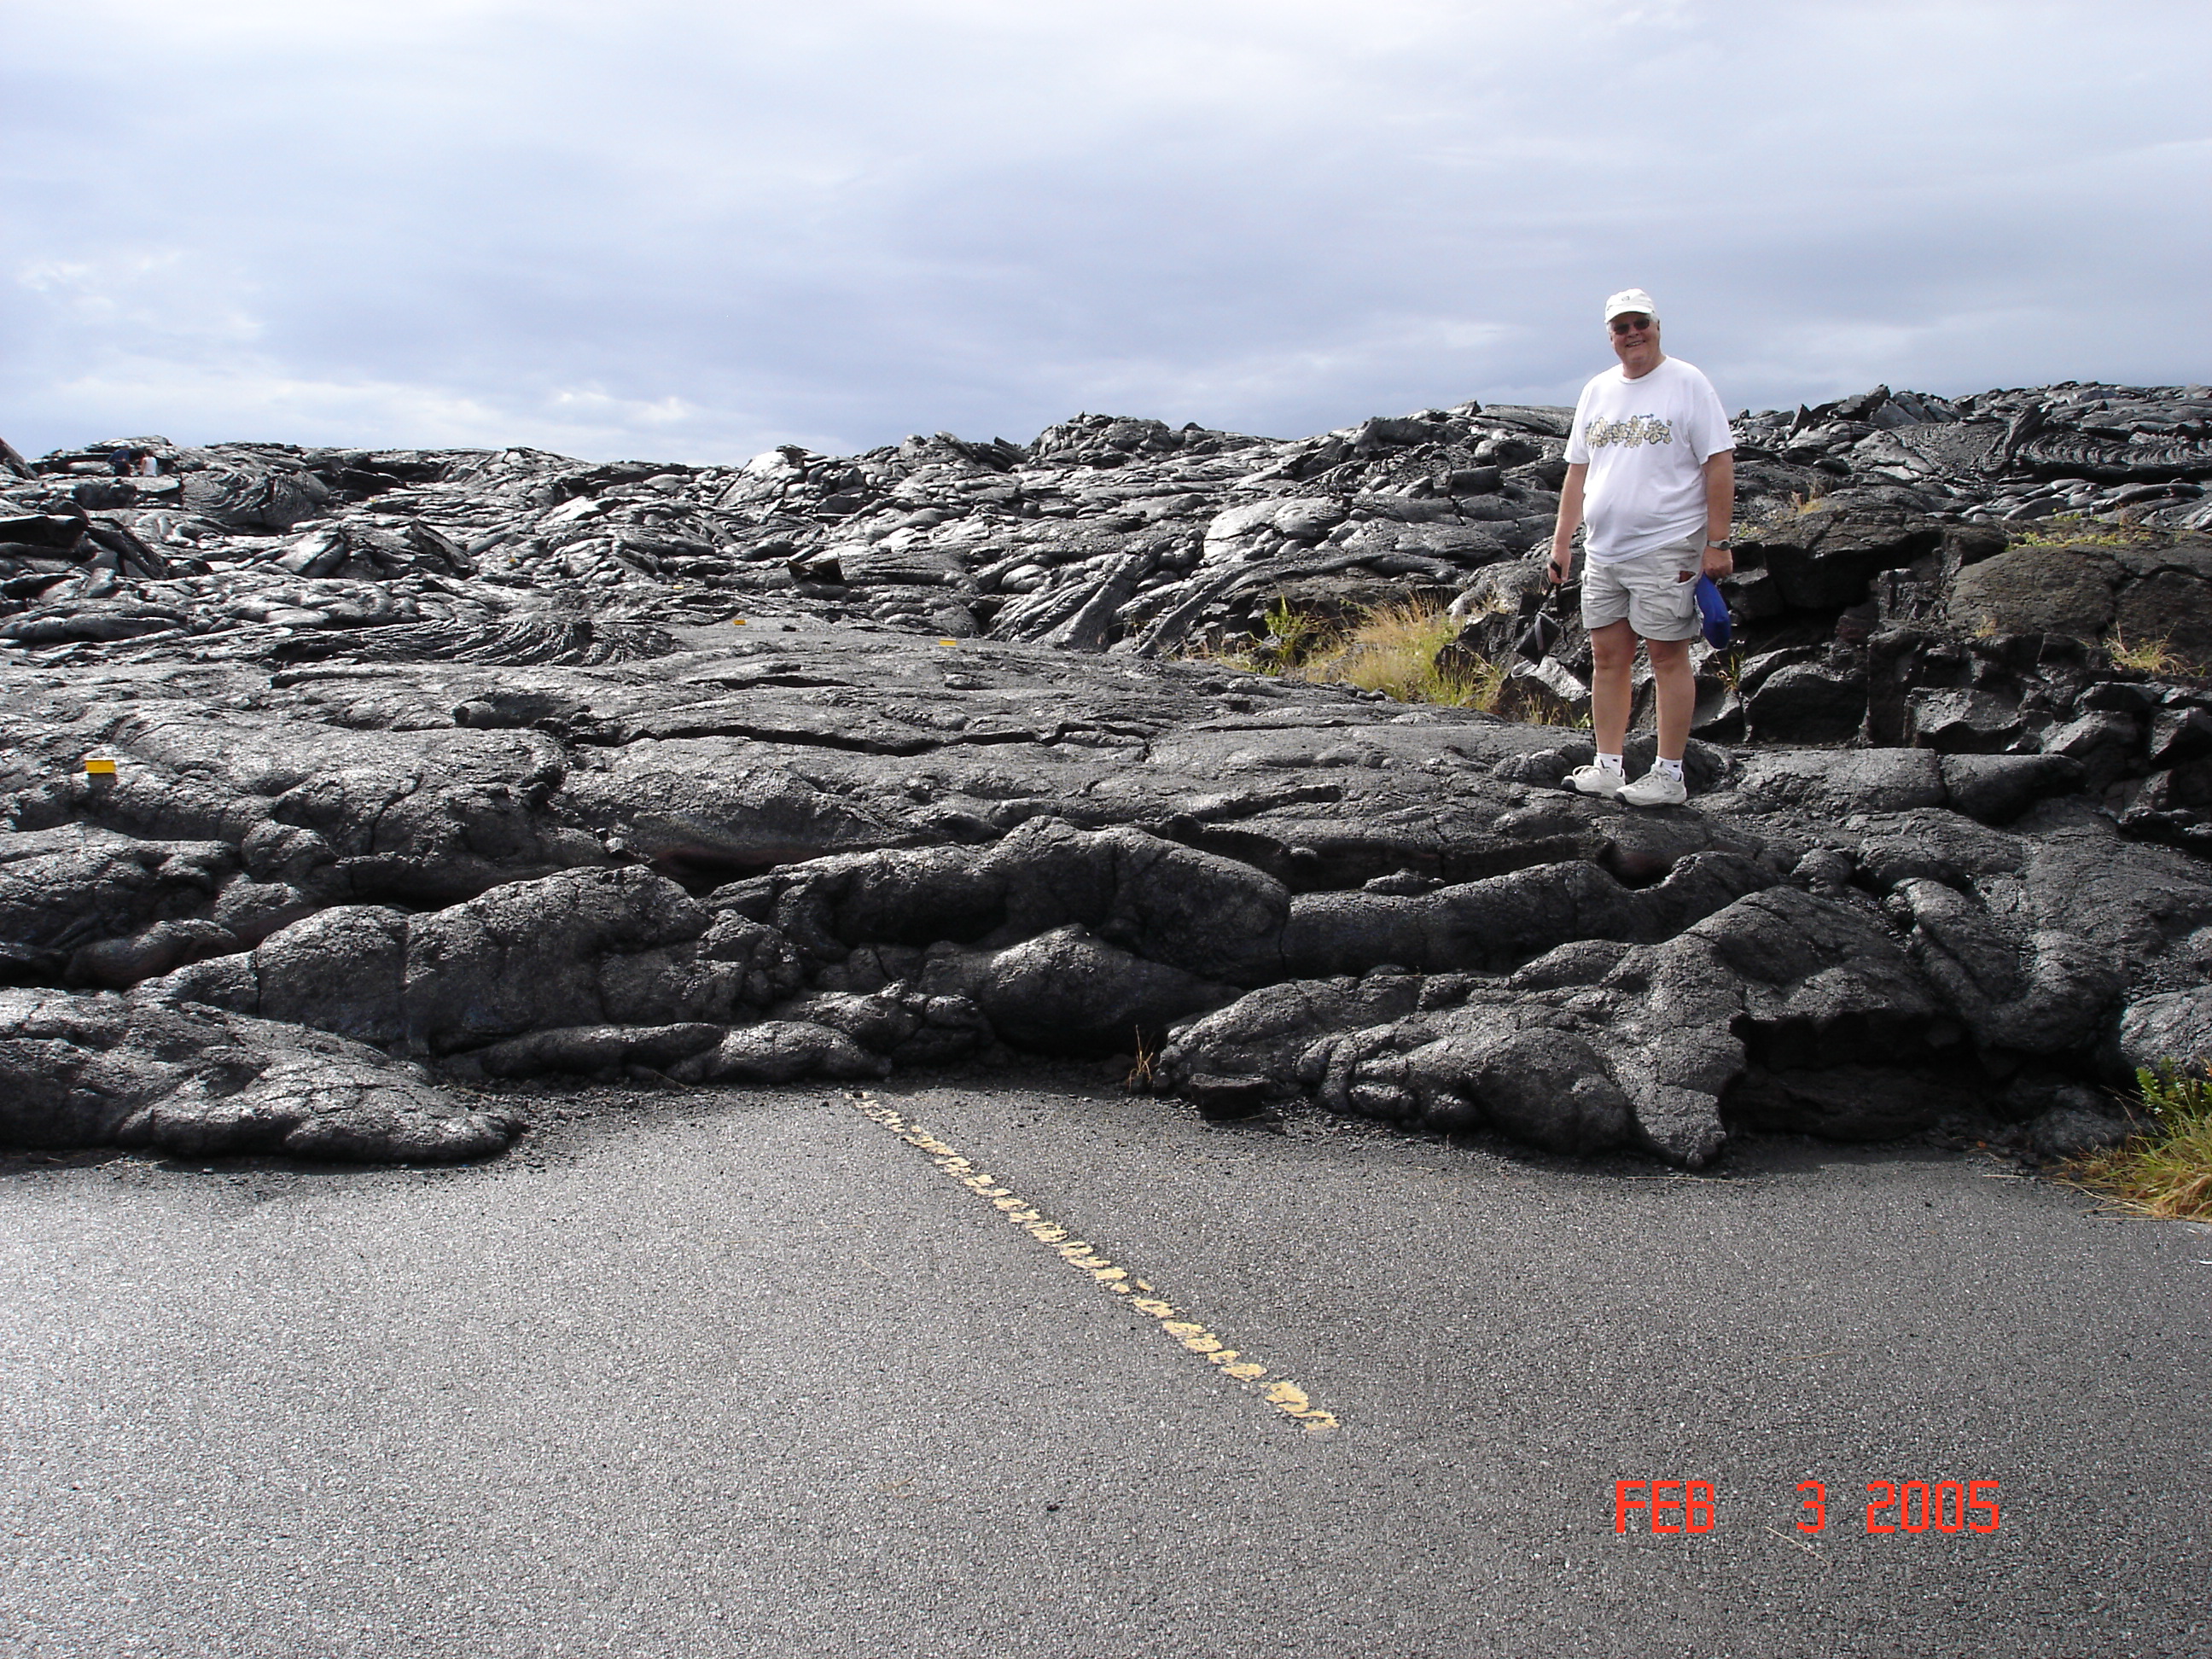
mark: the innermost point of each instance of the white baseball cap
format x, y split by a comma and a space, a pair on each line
1631, 299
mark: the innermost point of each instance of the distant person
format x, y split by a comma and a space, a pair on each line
1651, 469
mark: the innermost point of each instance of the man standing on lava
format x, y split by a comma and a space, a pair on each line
1652, 470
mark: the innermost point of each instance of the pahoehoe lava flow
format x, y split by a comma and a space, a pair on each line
432, 767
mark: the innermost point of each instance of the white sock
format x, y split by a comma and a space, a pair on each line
1608, 763
1667, 769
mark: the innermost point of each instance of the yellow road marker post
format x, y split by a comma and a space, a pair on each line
1177, 1325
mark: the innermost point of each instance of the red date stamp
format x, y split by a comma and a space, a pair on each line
1909, 1506
1913, 1506
1692, 1501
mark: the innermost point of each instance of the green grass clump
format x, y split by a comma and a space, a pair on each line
2166, 1170
1293, 636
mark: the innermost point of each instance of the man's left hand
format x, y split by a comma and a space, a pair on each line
1719, 562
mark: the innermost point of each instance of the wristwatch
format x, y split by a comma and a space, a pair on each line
1715, 543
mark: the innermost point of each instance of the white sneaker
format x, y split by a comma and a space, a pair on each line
1595, 781
1654, 788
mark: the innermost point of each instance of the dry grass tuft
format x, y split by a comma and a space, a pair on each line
2166, 1170
1393, 650
2156, 657
1143, 1075
2080, 530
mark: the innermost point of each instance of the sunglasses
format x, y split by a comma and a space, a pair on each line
1630, 324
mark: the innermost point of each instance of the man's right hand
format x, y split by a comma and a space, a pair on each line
1560, 565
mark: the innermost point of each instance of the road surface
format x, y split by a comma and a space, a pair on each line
1026, 1365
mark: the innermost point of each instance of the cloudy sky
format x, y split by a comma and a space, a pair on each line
688, 231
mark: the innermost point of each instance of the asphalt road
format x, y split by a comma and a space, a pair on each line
755, 1374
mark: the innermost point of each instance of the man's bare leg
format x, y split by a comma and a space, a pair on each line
1677, 687
1612, 658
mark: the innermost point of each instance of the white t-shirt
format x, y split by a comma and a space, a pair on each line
1646, 443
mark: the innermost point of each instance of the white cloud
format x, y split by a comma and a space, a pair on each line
668, 227
145, 291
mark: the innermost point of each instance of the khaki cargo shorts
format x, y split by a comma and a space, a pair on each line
1646, 591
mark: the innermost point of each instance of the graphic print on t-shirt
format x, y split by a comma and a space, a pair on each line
1635, 430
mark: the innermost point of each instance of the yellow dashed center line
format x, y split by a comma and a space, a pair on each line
1178, 1325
